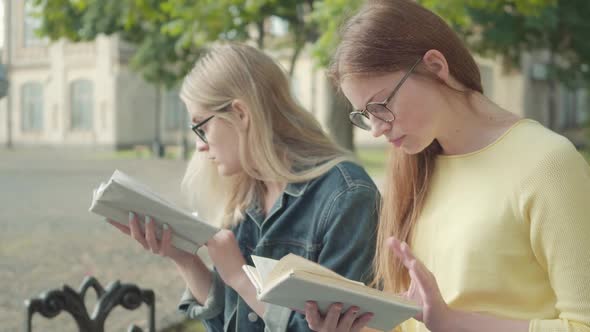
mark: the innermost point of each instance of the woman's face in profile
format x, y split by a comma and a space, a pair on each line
413, 106
222, 142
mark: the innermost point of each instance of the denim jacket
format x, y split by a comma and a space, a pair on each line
331, 220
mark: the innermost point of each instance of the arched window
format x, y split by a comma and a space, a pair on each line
32, 106
81, 104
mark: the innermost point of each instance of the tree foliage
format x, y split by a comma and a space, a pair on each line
169, 33
558, 29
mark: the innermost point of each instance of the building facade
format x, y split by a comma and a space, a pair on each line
84, 94
78, 94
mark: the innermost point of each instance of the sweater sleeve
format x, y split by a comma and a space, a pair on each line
556, 204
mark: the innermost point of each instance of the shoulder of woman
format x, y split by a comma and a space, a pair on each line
347, 175
537, 148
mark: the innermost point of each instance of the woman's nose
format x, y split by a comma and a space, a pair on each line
378, 127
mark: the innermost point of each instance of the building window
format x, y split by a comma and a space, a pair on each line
31, 24
32, 106
176, 116
81, 104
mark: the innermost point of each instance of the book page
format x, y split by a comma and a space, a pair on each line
252, 274
293, 262
357, 287
264, 266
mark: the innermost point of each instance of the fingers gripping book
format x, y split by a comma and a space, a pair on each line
122, 194
294, 280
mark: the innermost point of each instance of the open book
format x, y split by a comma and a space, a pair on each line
122, 194
294, 280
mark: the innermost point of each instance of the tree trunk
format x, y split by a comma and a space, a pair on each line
260, 41
552, 85
551, 104
299, 38
573, 94
183, 143
296, 52
157, 146
8, 69
337, 123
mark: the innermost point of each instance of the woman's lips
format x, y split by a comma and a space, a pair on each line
398, 141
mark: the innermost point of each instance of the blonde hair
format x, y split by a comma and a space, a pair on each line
283, 142
387, 36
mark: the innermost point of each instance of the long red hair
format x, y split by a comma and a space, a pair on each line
388, 36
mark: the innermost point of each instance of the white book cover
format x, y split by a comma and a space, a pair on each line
293, 280
122, 194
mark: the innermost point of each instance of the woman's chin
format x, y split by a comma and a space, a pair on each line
224, 171
410, 150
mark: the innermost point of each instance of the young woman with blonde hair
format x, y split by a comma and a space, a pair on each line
266, 172
485, 216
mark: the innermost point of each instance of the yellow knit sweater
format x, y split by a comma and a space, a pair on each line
506, 231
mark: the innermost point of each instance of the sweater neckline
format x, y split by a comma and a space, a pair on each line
489, 146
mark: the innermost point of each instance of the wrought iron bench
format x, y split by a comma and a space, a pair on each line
51, 303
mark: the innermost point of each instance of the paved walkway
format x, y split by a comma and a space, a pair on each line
48, 237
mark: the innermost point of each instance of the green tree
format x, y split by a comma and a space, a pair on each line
170, 33
504, 28
558, 29
499, 28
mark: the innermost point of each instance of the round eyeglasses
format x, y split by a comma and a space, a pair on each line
379, 110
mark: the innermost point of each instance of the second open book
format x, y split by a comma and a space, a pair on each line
294, 280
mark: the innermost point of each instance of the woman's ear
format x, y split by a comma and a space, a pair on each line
243, 112
437, 64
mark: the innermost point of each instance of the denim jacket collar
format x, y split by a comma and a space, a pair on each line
256, 212
296, 189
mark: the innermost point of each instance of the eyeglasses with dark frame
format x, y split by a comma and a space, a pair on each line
379, 109
196, 128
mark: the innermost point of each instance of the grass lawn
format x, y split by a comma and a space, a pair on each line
373, 160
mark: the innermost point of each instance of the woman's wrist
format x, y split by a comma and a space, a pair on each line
448, 321
240, 283
184, 260
244, 287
